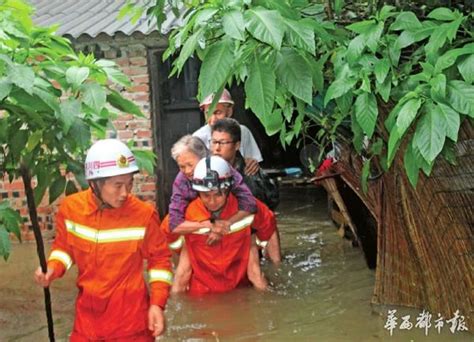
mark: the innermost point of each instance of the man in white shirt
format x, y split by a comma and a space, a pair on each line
224, 109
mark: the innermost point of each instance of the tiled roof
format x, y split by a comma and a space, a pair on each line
90, 17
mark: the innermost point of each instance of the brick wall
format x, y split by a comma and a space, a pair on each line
130, 53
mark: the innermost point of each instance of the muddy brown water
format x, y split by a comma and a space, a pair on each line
321, 292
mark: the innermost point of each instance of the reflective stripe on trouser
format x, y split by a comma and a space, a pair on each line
160, 275
103, 236
62, 257
177, 244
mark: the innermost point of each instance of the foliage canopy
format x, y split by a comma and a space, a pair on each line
391, 80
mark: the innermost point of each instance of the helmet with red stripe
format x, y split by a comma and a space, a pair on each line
107, 158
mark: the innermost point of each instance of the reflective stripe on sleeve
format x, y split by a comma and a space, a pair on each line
62, 257
160, 275
177, 244
235, 227
106, 235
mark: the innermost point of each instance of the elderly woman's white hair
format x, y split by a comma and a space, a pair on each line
189, 143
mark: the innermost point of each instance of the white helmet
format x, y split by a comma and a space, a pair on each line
225, 98
107, 158
212, 173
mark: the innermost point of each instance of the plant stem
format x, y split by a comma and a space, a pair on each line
26, 177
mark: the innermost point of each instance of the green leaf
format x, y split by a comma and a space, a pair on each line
292, 71
343, 83
47, 96
94, 96
358, 135
444, 14
5, 87
43, 177
116, 76
430, 135
203, 16
449, 58
436, 41
407, 115
122, 104
265, 26
438, 87
187, 49
70, 188
22, 76
76, 75
355, 48
69, 111
461, 97
146, 160
216, 67
5, 245
260, 88
362, 26
381, 68
411, 166
300, 35
366, 112
273, 122
365, 175
385, 88
56, 188
466, 69
81, 133
372, 37
393, 144
451, 118
34, 140
406, 21
233, 25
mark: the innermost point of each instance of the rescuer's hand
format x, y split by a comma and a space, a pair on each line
251, 166
43, 279
213, 238
156, 320
221, 227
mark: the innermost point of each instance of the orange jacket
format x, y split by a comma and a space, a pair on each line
221, 266
108, 246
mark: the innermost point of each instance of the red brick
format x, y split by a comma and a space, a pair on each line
125, 135
135, 71
140, 61
15, 185
123, 61
140, 79
140, 88
143, 134
141, 97
148, 187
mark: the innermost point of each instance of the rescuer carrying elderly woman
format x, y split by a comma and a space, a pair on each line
222, 265
107, 232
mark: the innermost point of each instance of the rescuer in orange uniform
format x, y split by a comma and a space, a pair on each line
107, 232
219, 258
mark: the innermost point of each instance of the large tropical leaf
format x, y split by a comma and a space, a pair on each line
461, 97
234, 25
293, 72
430, 135
366, 112
260, 88
265, 26
216, 67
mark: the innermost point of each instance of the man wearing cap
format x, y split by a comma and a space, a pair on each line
224, 109
223, 265
107, 232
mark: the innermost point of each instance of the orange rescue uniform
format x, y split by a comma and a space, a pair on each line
109, 246
222, 266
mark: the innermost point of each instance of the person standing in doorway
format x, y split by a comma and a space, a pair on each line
107, 232
224, 109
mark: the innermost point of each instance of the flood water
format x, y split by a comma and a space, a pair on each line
321, 292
